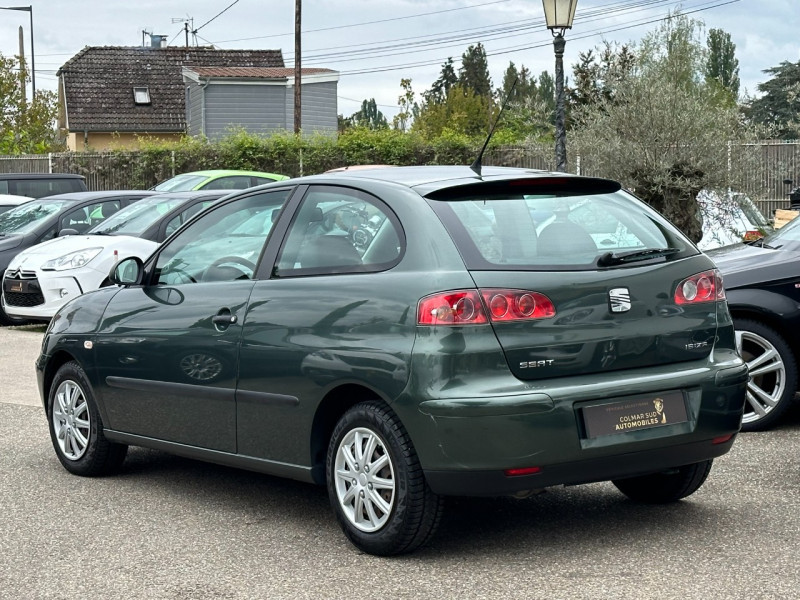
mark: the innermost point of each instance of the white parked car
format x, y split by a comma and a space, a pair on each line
729, 218
53, 272
8, 201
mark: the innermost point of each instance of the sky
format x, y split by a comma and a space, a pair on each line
374, 45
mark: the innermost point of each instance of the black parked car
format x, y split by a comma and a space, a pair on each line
39, 220
762, 282
38, 185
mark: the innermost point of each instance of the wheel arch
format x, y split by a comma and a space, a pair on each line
335, 403
56, 361
772, 310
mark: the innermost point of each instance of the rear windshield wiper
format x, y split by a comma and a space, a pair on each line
612, 258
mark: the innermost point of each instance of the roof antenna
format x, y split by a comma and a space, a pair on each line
476, 166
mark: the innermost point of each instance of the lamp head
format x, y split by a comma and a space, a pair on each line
559, 14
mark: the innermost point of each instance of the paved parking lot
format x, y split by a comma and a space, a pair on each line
172, 528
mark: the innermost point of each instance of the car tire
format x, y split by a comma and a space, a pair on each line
387, 511
76, 429
773, 374
668, 486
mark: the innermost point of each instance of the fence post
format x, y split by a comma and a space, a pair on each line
730, 144
578, 164
172, 155
49, 162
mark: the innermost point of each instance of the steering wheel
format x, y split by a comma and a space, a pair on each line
243, 265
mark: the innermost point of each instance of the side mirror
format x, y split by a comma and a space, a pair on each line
68, 231
787, 182
127, 272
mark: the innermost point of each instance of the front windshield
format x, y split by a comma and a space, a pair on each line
135, 219
26, 217
180, 183
788, 234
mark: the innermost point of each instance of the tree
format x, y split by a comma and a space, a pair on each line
25, 127
662, 131
722, 65
598, 74
369, 116
463, 112
409, 109
474, 72
442, 86
779, 105
526, 115
546, 92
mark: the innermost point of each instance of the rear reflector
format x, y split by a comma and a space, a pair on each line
522, 471
722, 439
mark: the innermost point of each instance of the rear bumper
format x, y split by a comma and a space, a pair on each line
466, 444
496, 483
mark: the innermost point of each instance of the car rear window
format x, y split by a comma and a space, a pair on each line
41, 187
564, 225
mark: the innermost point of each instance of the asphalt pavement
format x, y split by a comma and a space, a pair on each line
173, 528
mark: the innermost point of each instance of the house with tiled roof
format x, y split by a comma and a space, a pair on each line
111, 97
258, 99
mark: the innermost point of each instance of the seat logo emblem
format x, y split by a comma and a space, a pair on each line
619, 300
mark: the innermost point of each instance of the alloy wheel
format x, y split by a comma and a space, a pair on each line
71, 420
767, 382
365, 480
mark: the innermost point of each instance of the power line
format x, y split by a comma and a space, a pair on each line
215, 16
500, 31
415, 16
531, 46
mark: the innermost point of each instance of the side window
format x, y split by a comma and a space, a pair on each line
234, 182
181, 218
338, 230
224, 244
102, 210
77, 219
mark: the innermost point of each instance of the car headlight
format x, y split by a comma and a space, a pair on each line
73, 260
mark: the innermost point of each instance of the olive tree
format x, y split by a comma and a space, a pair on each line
26, 126
663, 131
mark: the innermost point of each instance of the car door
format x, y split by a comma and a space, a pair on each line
321, 317
167, 351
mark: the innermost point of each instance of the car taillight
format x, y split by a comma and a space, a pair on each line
517, 305
451, 308
703, 287
473, 307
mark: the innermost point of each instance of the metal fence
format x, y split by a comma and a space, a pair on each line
114, 170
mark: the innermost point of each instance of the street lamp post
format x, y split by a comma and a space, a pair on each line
559, 15
27, 9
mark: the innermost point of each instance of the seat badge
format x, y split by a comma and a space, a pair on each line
619, 300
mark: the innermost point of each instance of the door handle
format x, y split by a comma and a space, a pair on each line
224, 320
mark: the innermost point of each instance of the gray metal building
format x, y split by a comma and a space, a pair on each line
258, 100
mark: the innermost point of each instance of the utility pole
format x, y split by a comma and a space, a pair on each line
22, 66
297, 67
29, 10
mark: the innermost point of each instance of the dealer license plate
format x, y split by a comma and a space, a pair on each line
635, 413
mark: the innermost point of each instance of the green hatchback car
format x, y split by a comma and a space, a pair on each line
218, 179
405, 334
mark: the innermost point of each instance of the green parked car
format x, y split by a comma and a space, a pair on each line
404, 334
217, 180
